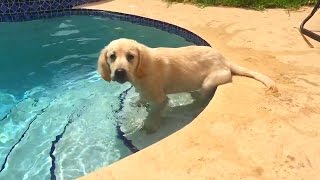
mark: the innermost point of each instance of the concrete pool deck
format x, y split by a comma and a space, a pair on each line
244, 132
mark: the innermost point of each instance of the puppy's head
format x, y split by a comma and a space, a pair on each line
121, 60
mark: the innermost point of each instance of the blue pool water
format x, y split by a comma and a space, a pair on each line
58, 118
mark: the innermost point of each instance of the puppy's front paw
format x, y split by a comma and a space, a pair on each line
149, 130
139, 103
151, 127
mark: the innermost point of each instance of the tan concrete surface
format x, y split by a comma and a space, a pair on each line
244, 133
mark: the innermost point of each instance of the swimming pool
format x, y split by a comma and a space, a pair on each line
58, 118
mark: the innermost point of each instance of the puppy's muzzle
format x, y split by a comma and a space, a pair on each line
120, 75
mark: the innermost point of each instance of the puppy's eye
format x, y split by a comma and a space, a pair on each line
130, 57
113, 57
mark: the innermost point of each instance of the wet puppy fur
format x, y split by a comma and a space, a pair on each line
156, 72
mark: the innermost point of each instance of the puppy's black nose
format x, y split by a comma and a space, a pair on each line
120, 75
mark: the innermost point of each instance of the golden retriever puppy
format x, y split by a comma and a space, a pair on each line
156, 72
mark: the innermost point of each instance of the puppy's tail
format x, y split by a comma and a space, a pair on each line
238, 70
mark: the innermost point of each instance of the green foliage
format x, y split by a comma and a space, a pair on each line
255, 4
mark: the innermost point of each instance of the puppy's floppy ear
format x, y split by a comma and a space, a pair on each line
103, 66
143, 61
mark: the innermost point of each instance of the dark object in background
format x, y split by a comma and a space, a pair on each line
306, 31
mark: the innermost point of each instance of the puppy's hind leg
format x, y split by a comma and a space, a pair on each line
213, 80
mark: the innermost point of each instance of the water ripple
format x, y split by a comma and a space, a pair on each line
33, 119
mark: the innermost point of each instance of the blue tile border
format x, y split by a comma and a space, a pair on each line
186, 34
27, 6
25, 10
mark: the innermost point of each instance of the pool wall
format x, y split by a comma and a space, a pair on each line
25, 10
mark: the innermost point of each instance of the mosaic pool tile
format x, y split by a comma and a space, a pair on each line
25, 10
